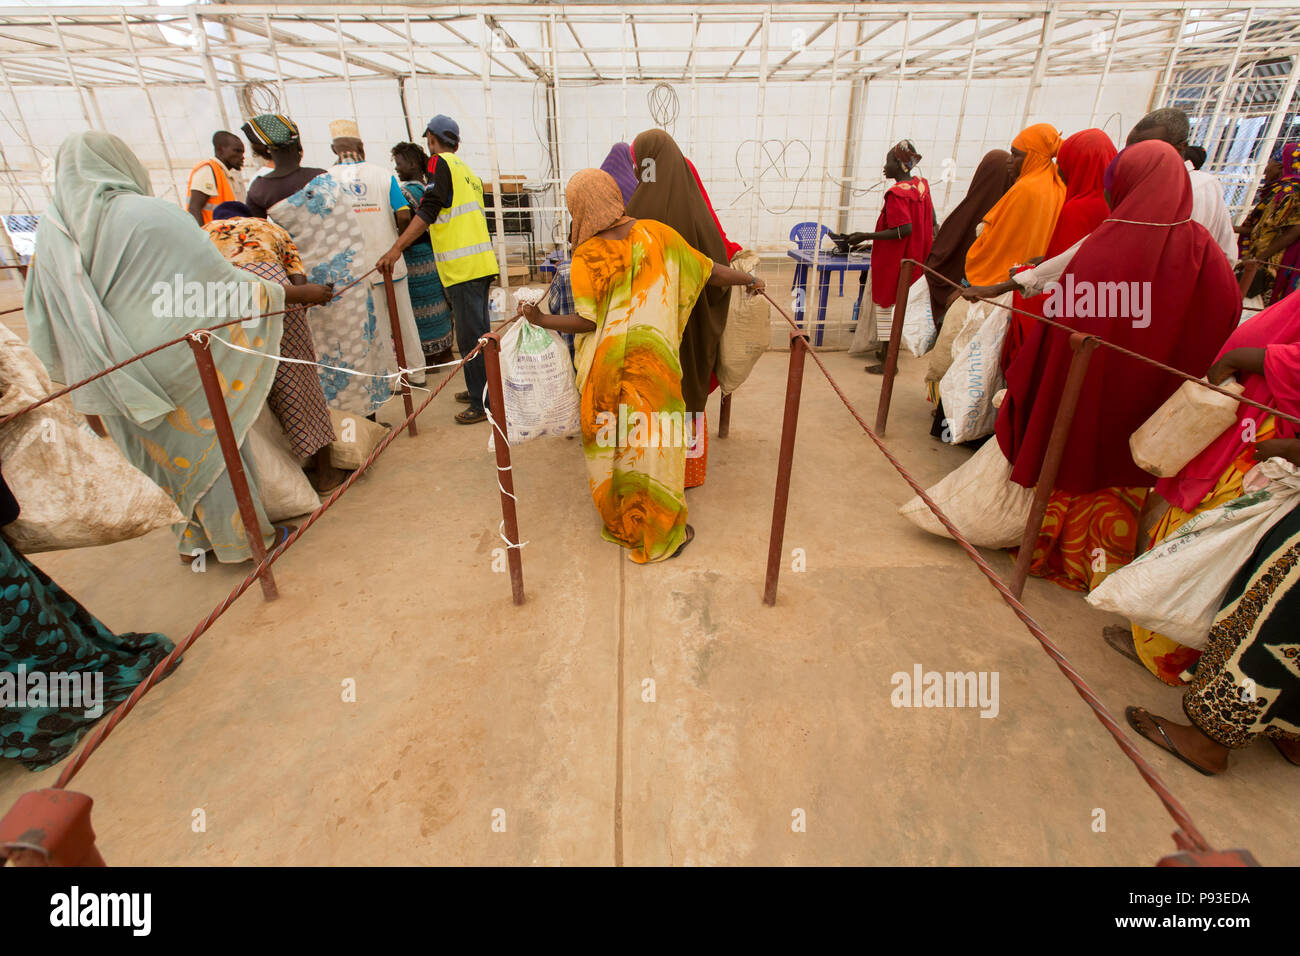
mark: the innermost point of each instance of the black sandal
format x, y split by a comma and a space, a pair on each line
1120, 640
470, 417
690, 536
1131, 714
462, 397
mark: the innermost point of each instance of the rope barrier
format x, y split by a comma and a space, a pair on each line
1081, 686
4, 420
1117, 348
118, 714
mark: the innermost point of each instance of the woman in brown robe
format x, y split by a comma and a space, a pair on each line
667, 192
953, 240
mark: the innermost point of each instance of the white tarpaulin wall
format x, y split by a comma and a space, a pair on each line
786, 110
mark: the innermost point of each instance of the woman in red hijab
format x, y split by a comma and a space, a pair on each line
1145, 279
1082, 163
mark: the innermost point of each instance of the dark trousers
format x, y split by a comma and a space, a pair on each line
469, 311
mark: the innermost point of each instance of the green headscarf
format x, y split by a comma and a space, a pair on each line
109, 258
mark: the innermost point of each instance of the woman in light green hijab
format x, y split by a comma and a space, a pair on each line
117, 272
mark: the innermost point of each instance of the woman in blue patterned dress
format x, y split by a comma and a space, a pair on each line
432, 311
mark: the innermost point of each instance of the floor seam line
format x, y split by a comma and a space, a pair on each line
618, 735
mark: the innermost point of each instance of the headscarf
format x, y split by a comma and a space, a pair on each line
732, 247
1277, 331
953, 240
619, 165
1020, 225
231, 210
594, 202
1082, 160
906, 154
101, 289
1192, 305
672, 197
272, 130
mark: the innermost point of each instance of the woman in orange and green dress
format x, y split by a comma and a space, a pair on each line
635, 282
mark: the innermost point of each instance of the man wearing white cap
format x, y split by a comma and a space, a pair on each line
382, 210
451, 209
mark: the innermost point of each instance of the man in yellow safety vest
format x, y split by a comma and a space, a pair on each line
451, 211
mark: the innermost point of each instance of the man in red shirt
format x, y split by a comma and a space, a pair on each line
904, 230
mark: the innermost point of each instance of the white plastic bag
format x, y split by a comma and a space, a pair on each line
286, 492
541, 395
968, 387
748, 332
74, 488
1177, 587
978, 497
918, 322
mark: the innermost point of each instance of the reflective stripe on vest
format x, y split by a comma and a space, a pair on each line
462, 248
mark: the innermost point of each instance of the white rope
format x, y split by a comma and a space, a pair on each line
333, 368
487, 410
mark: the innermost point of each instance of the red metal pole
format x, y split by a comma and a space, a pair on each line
1083, 346
496, 395
49, 828
793, 389
234, 464
391, 295
724, 419
895, 338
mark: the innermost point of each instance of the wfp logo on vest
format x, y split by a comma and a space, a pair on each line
356, 188
1099, 300
210, 301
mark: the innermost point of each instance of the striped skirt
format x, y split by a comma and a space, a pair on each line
296, 397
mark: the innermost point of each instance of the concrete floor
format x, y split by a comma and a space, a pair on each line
471, 710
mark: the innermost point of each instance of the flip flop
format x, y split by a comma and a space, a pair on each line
470, 417
1133, 714
690, 536
1285, 756
462, 397
1121, 641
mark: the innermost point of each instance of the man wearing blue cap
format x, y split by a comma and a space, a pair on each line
451, 210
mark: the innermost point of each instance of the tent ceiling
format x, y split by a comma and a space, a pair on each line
602, 42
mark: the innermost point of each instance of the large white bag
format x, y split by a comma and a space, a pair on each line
1177, 587
541, 395
74, 488
918, 322
286, 492
968, 387
980, 499
748, 332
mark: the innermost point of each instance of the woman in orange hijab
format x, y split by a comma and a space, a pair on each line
1019, 226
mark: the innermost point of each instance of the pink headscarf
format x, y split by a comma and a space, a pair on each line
1277, 331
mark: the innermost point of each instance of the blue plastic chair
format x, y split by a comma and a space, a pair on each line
806, 236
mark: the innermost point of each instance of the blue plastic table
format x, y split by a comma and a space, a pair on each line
825, 263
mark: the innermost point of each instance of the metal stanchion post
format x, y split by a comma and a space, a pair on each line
505, 477
234, 464
391, 295
1083, 346
895, 338
793, 388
